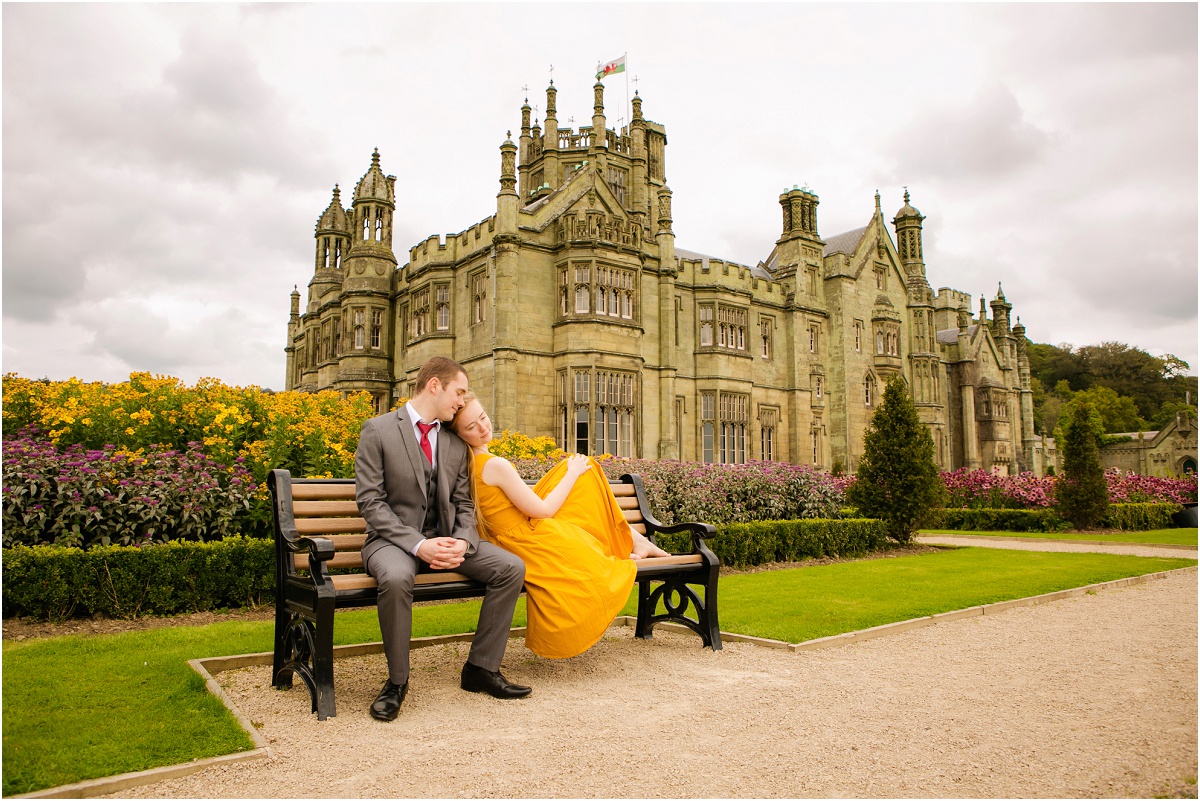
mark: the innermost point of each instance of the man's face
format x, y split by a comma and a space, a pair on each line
448, 398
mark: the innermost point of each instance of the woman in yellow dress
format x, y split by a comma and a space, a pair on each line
569, 531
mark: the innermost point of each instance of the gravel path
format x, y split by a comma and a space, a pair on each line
1094, 696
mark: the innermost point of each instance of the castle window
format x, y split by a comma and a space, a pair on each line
366, 229
376, 328
858, 330
360, 329
706, 326
583, 289
812, 281
708, 402
730, 329
337, 336
379, 225
443, 306
765, 324
819, 385
617, 180
604, 419
337, 246
479, 297
868, 390
420, 313
733, 427
879, 341
814, 339
881, 278
767, 420
816, 445
325, 253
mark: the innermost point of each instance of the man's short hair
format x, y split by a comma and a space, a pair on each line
442, 368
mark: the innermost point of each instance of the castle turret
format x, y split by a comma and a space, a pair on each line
908, 238
364, 337
799, 229
507, 200
1023, 372
525, 155
640, 203
598, 147
550, 139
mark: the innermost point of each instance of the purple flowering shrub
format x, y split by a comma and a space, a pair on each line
73, 496
721, 493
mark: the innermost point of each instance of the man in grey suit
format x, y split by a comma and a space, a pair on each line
412, 480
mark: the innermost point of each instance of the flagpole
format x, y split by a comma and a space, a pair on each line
629, 107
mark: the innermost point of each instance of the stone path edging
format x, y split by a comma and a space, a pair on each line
973, 538
207, 668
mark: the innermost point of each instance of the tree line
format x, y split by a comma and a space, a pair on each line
1129, 389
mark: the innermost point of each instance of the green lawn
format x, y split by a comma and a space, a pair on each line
1162, 536
82, 707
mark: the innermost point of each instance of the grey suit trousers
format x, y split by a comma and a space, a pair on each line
395, 570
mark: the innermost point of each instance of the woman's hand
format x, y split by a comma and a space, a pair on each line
577, 465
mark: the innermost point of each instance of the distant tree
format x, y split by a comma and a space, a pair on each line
897, 480
1117, 412
1081, 489
1168, 411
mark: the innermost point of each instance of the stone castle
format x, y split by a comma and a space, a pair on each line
577, 317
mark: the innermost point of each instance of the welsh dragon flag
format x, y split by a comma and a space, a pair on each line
611, 68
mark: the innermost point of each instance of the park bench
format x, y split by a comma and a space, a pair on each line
319, 535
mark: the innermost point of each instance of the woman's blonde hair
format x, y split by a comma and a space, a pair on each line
480, 523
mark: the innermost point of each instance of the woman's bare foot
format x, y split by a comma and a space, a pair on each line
643, 548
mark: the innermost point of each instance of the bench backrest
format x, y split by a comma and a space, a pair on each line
326, 508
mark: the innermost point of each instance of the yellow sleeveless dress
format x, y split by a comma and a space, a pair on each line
577, 568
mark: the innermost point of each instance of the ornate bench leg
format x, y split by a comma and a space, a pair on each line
708, 615
323, 701
283, 619
645, 612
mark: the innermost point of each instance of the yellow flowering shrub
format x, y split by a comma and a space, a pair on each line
515, 445
309, 434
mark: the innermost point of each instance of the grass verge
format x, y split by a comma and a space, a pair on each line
1162, 536
78, 707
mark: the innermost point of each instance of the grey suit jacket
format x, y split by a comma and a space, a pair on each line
389, 482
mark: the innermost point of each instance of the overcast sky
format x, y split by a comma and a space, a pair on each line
165, 165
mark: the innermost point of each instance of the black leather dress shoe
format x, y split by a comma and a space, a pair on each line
477, 680
387, 704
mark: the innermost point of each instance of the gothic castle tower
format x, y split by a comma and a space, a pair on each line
578, 316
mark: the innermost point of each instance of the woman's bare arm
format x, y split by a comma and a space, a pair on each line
499, 472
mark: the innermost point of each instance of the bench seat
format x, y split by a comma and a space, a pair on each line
319, 535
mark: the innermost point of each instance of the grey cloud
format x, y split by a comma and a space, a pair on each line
987, 138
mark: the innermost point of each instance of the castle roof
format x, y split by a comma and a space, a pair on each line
949, 336
844, 243
374, 185
691, 255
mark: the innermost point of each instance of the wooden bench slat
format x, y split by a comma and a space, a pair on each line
627, 502
640, 528
623, 490
340, 559
322, 492
325, 509
317, 526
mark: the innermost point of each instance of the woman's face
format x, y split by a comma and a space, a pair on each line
473, 425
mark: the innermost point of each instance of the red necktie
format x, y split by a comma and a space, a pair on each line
425, 447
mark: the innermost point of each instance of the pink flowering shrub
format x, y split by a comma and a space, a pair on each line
1134, 488
979, 489
78, 497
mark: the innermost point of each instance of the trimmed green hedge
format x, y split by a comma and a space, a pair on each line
54, 583
763, 541
1140, 516
1124, 516
48, 582
999, 520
